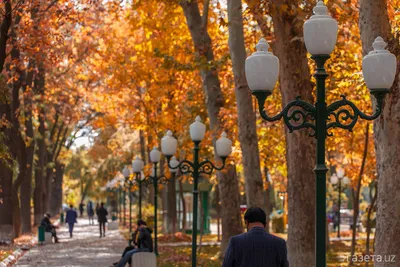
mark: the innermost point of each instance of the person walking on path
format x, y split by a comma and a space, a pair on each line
256, 247
90, 212
142, 242
71, 219
81, 208
102, 219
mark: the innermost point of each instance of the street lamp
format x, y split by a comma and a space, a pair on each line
137, 166
155, 156
337, 179
120, 188
195, 168
128, 183
320, 34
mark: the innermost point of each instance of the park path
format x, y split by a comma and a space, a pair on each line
86, 248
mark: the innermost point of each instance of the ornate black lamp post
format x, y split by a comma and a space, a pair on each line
119, 190
320, 34
195, 167
337, 179
137, 166
129, 184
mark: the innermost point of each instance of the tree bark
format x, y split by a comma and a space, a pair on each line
40, 183
26, 185
373, 22
4, 28
246, 116
6, 161
295, 80
172, 205
56, 192
231, 219
268, 202
370, 210
6, 176
183, 205
197, 25
356, 193
39, 190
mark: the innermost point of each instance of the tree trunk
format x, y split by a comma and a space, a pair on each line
218, 210
356, 193
6, 174
246, 116
214, 102
295, 80
172, 205
39, 172
268, 202
183, 205
48, 184
56, 192
230, 214
26, 185
16, 212
373, 22
370, 210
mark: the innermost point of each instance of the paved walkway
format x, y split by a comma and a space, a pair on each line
86, 248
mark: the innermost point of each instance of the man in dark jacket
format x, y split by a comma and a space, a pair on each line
71, 219
49, 227
102, 219
142, 242
256, 248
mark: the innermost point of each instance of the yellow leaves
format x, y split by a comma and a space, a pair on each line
283, 8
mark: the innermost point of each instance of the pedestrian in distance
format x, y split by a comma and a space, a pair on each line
90, 212
256, 247
81, 208
72, 215
102, 219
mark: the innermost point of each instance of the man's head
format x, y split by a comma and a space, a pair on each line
102, 204
47, 215
71, 206
255, 217
140, 222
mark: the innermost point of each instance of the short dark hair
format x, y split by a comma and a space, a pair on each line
255, 214
71, 206
141, 222
102, 204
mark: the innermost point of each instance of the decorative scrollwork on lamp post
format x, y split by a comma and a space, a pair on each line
320, 34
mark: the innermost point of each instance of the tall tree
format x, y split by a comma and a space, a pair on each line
227, 182
295, 80
373, 22
246, 117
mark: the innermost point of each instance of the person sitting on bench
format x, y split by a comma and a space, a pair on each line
142, 242
49, 227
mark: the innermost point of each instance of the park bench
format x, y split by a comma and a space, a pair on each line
144, 259
44, 237
113, 225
